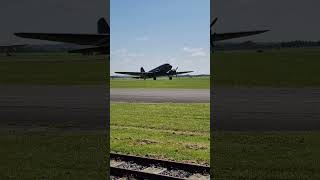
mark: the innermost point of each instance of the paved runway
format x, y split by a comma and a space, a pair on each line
258, 109
160, 95
55, 106
265, 109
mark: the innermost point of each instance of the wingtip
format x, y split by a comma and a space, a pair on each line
19, 34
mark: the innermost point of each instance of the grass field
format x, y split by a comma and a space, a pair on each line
53, 156
277, 68
284, 68
53, 69
169, 131
269, 155
178, 83
266, 155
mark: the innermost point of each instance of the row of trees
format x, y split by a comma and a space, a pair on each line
250, 45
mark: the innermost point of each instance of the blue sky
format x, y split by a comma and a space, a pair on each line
149, 33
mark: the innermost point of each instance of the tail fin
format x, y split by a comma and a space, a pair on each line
103, 26
142, 70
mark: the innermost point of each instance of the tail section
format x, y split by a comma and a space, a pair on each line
142, 70
103, 26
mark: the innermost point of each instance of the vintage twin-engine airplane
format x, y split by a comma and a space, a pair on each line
163, 70
100, 42
225, 36
9, 49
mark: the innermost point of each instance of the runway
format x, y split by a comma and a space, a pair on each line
65, 107
160, 95
235, 109
266, 109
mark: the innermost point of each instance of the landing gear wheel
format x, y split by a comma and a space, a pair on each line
154, 78
170, 78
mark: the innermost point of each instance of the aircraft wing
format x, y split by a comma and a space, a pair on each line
81, 39
225, 36
184, 72
134, 73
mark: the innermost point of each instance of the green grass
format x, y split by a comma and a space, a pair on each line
272, 155
53, 69
53, 156
276, 68
178, 83
169, 131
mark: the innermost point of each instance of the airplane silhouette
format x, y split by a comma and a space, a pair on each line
100, 42
214, 37
163, 70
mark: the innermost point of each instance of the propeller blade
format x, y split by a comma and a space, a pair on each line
213, 22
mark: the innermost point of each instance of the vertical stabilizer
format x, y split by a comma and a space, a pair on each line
103, 26
142, 70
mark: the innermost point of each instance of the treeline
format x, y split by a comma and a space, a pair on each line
250, 45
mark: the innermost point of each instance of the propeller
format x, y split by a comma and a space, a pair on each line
212, 34
213, 22
173, 72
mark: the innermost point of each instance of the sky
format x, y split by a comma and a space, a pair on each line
58, 16
288, 19
149, 33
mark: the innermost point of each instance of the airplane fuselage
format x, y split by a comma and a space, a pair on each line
163, 70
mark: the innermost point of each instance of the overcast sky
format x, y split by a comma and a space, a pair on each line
149, 33
288, 19
64, 16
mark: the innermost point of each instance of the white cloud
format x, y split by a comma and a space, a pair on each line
195, 52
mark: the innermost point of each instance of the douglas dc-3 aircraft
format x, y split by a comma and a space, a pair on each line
225, 36
163, 70
100, 41
10, 49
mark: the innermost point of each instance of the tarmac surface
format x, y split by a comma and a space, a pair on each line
66, 107
160, 95
236, 109
266, 109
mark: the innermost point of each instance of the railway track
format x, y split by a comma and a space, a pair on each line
134, 167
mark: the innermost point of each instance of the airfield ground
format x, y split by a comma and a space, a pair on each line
163, 83
45, 100
272, 68
168, 131
267, 122
53, 69
266, 155
236, 154
53, 155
